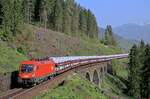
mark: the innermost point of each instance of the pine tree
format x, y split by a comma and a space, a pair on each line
95, 27
17, 20
50, 13
83, 20
89, 23
58, 15
134, 79
44, 13
109, 36
75, 20
92, 28
67, 14
12, 16
141, 59
145, 75
28, 10
7, 15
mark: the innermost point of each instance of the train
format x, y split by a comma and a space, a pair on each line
35, 71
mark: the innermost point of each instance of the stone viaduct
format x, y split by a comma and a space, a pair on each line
95, 72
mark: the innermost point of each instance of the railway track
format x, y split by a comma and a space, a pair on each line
31, 92
11, 93
52, 83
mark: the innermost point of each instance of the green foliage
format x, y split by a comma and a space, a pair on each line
139, 83
12, 16
67, 13
63, 16
145, 75
58, 15
75, 20
134, 79
28, 10
9, 58
91, 25
74, 87
83, 20
109, 37
113, 86
120, 68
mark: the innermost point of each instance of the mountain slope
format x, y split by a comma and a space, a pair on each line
134, 31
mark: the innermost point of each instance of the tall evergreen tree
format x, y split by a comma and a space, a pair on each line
134, 79
89, 23
75, 20
83, 20
58, 15
67, 13
92, 28
141, 55
50, 13
145, 75
95, 27
109, 37
17, 20
28, 10
44, 13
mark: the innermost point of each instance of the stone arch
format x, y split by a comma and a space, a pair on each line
101, 70
95, 78
87, 76
105, 69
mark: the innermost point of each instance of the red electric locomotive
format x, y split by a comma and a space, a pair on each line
35, 71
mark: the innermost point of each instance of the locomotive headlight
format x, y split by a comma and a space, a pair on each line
33, 75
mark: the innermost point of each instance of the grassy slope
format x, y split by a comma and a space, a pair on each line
48, 42
74, 87
9, 58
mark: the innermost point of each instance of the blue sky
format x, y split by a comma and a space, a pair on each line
118, 12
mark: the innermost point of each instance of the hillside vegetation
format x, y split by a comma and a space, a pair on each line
9, 58
41, 43
74, 87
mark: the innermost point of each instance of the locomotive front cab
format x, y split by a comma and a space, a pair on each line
27, 74
27, 68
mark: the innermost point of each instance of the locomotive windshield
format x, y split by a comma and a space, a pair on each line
27, 68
